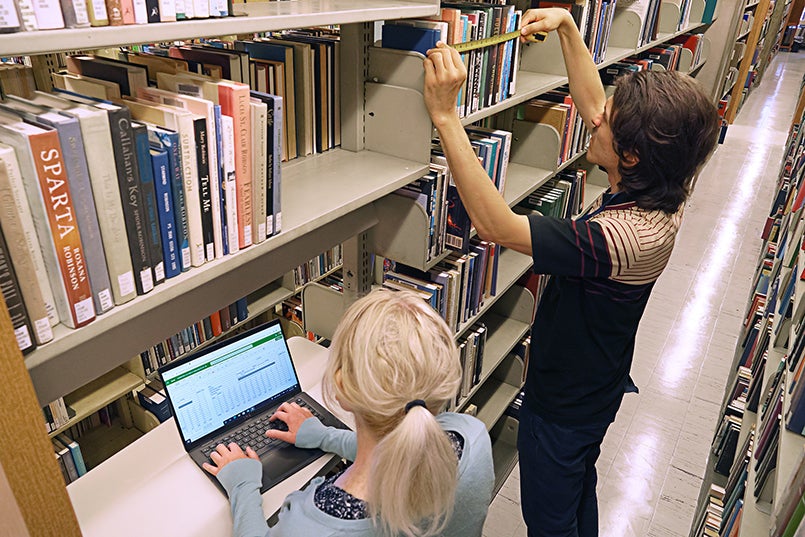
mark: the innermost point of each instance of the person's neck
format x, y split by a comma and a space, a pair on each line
355, 480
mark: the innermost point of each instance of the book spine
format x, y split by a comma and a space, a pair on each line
96, 134
77, 172
14, 302
25, 250
169, 141
231, 192
60, 210
219, 152
152, 7
276, 154
205, 196
215, 186
75, 451
146, 175
167, 221
27, 15
235, 104
96, 11
133, 210
13, 225
259, 171
192, 196
127, 10
114, 11
75, 13
271, 155
167, 10
48, 14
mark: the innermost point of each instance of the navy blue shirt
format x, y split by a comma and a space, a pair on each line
582, 342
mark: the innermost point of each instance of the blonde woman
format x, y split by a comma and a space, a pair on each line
415, 471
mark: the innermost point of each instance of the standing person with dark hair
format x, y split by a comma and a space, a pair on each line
651, 138
417, 471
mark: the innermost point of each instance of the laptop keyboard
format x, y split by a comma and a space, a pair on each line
253, 433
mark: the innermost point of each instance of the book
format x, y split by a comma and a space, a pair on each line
9, 18
407, 37
96, 12
167, 140
234, 100
259, 153
77, 172
230, 183
84, 85
127, 75
75, 452
75, 13
148, 191
13, 299
23, 247
66, 458
44, 176
48, 14
96, 133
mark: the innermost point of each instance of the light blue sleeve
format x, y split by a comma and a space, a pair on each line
313, 434
242, 479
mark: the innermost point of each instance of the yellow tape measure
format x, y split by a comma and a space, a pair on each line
497, 39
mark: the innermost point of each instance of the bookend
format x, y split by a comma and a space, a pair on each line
528, 136
504, 447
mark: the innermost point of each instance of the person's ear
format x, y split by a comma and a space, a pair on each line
629, 160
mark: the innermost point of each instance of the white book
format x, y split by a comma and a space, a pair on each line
9, 20
259, 171
27, 15
167, 10
140, 12
23, 246
230, 186
48, 14
201, 8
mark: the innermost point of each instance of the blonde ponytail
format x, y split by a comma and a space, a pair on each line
413, 479
391, 348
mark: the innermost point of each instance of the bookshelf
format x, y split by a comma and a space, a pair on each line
351, 186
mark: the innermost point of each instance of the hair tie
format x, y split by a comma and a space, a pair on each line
415, 402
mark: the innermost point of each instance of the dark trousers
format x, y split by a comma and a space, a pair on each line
558, 477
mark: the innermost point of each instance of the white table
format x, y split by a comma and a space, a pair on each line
153, 488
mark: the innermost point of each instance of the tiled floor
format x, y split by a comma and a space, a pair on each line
653, 458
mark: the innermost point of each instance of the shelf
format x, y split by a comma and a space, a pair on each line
522, 180
503, 335
529, 85
492, 400
504, 450
97, 394
511, 266
253, 17
345, 184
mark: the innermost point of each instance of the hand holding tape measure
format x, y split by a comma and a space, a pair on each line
497, 39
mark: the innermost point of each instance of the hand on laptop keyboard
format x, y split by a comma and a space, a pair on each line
224, 454
287, 419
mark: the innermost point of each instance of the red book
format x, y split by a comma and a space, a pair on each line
234, 99
215, 321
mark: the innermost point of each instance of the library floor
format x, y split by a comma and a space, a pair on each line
654, 455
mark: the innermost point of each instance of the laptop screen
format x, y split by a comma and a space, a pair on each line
230, 381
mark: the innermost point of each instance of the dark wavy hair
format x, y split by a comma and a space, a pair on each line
665, 120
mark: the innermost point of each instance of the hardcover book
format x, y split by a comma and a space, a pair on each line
13, 300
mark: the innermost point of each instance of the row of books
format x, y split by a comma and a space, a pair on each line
491, 71
16, 78
710, 520
471, 354
787, 518
769, 430
557, 110
32, 15
735, 489
181, 189
193, 336
152, 397
68, 453
318, 266
457, 286
593, 18
562, 196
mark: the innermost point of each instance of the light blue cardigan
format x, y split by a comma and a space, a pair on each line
299, 516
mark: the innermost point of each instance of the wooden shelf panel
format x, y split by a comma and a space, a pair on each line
344, 183
97, 394
254, 17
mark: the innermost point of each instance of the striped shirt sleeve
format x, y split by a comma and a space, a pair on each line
565, 247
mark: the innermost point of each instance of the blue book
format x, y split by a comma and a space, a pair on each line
169, 141
403, 37
75, 451
242, 309
154, 239
167, 221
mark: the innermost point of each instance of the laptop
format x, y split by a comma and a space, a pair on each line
226, 393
